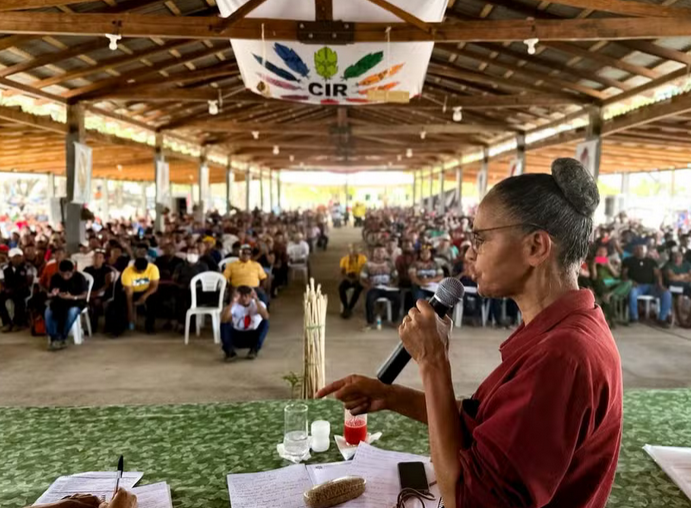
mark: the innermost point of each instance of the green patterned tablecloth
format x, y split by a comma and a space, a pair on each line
193, 447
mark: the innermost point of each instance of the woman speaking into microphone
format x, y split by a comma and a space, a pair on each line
543, 430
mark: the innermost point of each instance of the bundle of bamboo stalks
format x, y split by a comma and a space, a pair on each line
314, 341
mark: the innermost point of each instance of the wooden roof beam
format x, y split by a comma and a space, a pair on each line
207, 27
628, 8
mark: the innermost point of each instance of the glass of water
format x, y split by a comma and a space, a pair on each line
295, 437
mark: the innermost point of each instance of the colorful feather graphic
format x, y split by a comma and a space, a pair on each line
291, 59
388, 86
376, 78
357, 100
363, 65
330, 102
278, 82
326, 62
295, 97
283, 74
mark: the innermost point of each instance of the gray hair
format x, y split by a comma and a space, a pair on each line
562, 204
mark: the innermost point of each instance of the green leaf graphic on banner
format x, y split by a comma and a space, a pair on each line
326, 62
363, 65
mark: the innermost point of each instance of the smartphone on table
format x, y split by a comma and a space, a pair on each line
413, 476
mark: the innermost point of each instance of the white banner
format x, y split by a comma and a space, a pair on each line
361, 73
82, 173
516, 167
586, 154
163, 183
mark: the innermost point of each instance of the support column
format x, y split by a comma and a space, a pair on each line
50, 185
230, 178
459, 190
594, 133
520, 154
143, 201
162, 187
75, 228
278, 192
414, 186
483, 176
105, 204
430, 204
203, 181
248, 182
271, 190
261, 189
442, 196
421, 181
624, 198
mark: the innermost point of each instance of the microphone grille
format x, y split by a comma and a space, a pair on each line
450, 291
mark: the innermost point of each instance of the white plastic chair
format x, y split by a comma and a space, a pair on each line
77, 331
647, 299
387, 304
210, 281
299, 268
224, 262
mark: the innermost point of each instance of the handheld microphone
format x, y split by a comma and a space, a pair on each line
448, 294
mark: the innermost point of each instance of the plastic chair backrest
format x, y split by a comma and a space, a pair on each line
90, 281
210, 281
225, 261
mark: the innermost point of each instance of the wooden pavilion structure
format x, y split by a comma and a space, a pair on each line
615, 70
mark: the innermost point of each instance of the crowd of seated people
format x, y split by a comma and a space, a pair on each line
412, 251
138, 274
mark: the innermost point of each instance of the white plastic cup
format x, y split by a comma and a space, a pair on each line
321, 430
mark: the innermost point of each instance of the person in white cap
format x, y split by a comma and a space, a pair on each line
16, 280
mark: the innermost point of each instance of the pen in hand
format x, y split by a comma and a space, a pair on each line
118, 476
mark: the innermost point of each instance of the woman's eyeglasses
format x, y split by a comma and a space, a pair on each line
476, 239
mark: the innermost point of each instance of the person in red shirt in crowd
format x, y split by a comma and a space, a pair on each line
544, 429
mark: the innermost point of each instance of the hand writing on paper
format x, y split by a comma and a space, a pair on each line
76, 501
122, 499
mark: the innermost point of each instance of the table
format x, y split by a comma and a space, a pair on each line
193, 447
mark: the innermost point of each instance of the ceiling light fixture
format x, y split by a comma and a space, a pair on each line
277, 150
213, 107
423, 134
531, 43
457, 114
113, 38
409, 153
399, 157
255, 134
119, 166
292, 158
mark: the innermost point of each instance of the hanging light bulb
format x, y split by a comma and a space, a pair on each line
119, 167
113, 38
389, 164
457, 114
409, 153
302, 164
277, 150
531, 43
423, 134
213, 107
399, 157
292, 158
255, 134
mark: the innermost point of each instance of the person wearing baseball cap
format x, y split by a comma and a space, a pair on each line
246, 272
16, 281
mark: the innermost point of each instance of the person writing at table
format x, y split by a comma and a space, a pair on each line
122, 499
544, 429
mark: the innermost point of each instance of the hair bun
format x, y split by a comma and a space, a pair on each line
577, 185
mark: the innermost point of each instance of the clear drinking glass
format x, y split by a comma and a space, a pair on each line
295, 437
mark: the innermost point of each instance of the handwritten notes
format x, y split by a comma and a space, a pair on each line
280, 488
674, 461
156, 495
284, 488
99, 484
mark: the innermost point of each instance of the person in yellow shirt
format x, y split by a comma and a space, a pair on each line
351, 265
359, 212
245, 272
139, 283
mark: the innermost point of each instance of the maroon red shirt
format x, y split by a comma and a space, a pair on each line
544, 429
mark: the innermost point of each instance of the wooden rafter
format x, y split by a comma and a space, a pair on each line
136, 25
628, 8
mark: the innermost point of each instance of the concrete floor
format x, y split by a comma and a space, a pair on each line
139, 369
